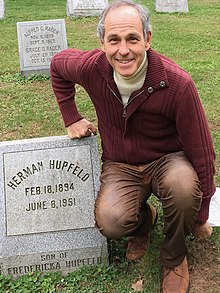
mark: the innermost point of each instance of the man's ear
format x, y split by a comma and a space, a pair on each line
148, 41
102, 45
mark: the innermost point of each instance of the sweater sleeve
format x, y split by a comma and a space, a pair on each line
195, 137
64, 70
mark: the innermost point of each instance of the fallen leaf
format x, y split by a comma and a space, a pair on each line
138, 286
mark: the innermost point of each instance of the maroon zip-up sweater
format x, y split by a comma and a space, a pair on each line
164, 116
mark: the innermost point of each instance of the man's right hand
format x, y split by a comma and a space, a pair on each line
81, 129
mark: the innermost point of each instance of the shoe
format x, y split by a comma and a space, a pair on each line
176, 280
138, 245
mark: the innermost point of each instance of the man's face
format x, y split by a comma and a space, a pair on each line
124, 42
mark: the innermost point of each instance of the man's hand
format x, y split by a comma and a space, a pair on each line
202, 231
80, 129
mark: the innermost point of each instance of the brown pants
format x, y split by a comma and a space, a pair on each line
121, 209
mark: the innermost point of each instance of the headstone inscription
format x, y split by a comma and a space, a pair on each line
38, 41
47, 192
2, 9
85, 7
171, 6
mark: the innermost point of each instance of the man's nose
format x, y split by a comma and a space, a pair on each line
123, 49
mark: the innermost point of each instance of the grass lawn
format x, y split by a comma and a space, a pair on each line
28, 109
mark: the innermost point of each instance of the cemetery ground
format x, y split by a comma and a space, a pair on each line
28, 110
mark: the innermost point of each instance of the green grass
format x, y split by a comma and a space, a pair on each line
28, 109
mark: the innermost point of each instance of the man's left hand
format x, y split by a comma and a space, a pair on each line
202, 231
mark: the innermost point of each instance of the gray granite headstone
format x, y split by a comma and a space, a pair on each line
38, 41
85, 7
2, 9
171, 6
48, 188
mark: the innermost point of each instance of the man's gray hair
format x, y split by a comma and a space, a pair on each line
143, 12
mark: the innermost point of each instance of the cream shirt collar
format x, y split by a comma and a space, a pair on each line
127, 85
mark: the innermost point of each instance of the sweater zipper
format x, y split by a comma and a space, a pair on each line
125, 107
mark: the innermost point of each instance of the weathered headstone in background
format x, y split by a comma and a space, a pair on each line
2, 9
38, 41
85, 7
48, 188
171, 6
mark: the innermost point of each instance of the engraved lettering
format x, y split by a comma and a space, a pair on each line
69, 167
22, 175
34, 268
46, 257
84, 261
39, 205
